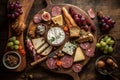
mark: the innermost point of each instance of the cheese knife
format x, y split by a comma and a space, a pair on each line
44, 58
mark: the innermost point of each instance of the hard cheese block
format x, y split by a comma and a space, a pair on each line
79, 55
58, 20
37, 42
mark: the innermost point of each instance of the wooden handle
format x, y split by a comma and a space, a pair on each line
49, 3
38, 61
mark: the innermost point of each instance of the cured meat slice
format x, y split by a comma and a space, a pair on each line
67, 61
77, 67
91, 13
85, 45
90, 52
37, 18
51, 63
56, 10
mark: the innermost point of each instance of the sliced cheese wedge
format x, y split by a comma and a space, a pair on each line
47, 51
37, 42
42, 48
79, 55
58, 20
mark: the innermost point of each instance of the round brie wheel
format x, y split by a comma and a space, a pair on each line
55, 36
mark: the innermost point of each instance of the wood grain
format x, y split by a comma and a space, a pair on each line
109, 7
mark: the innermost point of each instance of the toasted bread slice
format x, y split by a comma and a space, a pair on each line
74, 31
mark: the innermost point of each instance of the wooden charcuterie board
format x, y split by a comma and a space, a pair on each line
79, 10
21, 21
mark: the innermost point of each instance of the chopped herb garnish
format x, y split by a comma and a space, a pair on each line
74, 43
52, 39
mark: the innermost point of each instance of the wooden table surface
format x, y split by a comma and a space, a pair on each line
109, 7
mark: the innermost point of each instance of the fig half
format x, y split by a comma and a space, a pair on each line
46, 16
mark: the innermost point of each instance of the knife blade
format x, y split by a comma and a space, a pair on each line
44, 58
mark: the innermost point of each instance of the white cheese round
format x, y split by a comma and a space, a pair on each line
55, 36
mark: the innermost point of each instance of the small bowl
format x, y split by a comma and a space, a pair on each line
11, 64
114, 45
103, 70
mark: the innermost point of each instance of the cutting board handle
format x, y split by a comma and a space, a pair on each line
75, 76
49, 3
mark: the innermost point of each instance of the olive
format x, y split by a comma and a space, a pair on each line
100, 64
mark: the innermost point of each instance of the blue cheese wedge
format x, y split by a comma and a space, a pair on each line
79, 55
69, 48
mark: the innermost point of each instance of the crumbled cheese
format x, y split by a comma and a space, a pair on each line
68, 48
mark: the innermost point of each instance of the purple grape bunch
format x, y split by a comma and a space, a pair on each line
14, 10
106, 23
81, 20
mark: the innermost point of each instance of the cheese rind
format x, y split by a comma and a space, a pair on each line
79, 55
58, 20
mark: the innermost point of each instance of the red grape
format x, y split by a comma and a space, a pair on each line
72, 11
106, 23
76, 18
79, 15
14, 10
86, 27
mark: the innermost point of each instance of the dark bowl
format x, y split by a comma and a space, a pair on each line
113, 38
106, 70
11, 57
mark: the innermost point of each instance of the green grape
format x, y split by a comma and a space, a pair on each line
13, 38
9, 44
106, 47
102, 39
110, 49
103, 44
106, 37
98, 45
112, 42
16, 47
108, 41
16, 42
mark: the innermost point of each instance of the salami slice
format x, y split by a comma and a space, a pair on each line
90, 52
67, 61
37, 18
85, 45
56, 10
77, 67
51, 63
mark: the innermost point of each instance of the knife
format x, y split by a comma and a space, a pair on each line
44, 58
